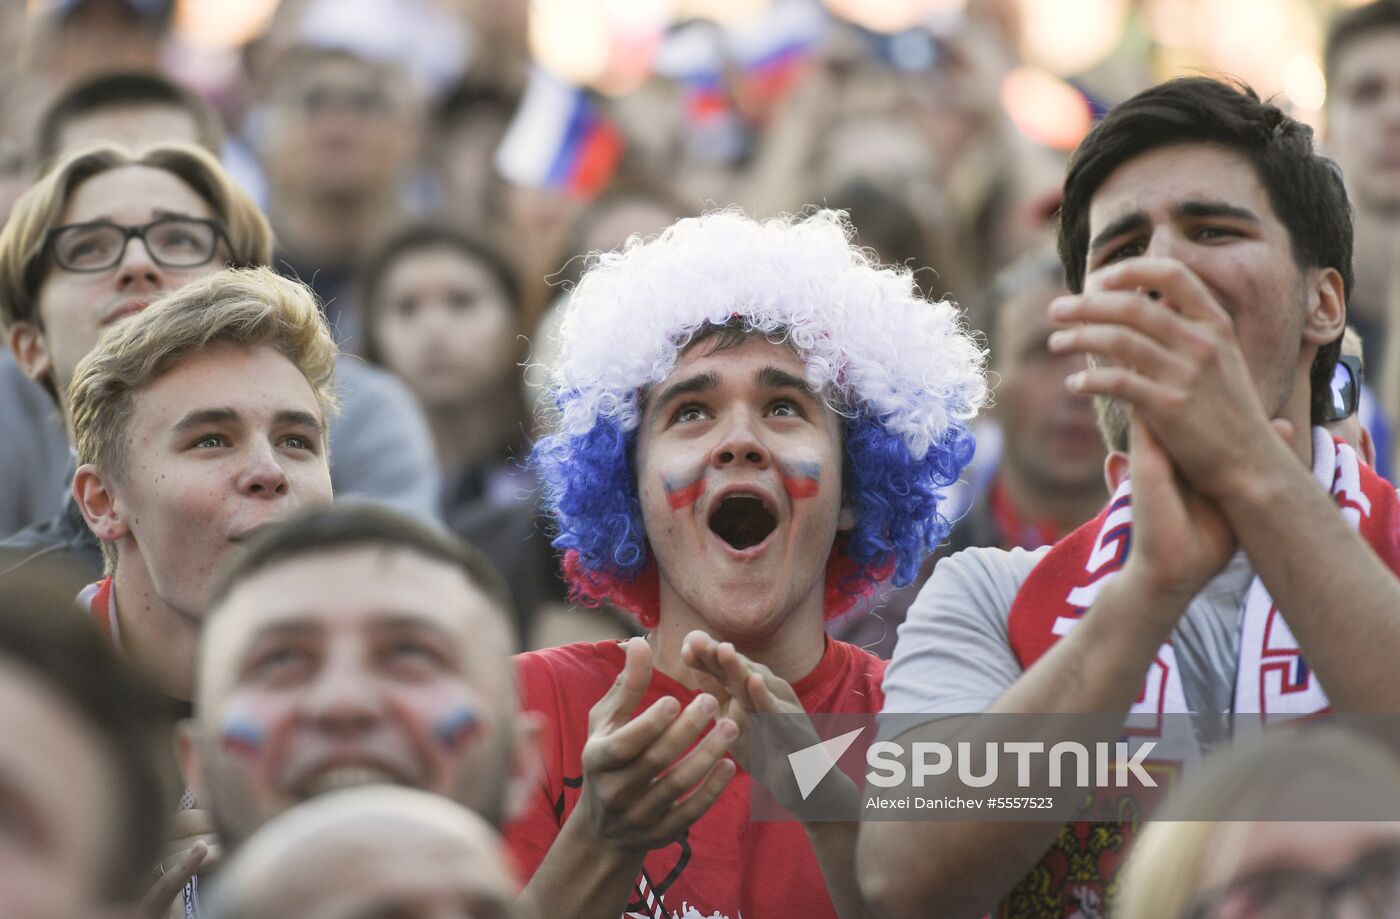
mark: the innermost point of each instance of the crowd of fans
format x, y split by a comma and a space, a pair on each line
419, 471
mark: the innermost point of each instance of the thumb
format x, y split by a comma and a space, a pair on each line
156, 903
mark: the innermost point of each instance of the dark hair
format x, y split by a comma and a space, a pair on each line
469, 100
1350, 25
123, 89
416, 237
42, 629
1305, 188
350, 524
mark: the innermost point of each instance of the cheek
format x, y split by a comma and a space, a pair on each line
801, 478
252, 728
446, 717
683, 488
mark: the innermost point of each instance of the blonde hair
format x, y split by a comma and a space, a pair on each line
24, 238
1255, 780
240, 306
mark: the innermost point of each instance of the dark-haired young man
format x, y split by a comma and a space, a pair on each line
769, 438
1209, 251
134, 108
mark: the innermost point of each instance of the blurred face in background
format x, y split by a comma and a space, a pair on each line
1050, 435
57, 803
340, 126
1363, 119
446, 326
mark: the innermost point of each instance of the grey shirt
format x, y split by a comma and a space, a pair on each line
954, 651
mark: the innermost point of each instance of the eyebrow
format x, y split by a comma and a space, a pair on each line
200, 418
777, 378
1186, 209
700, 382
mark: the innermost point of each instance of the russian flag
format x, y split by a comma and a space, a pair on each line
773, 52
559, 139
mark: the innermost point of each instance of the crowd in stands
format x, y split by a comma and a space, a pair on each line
421, 474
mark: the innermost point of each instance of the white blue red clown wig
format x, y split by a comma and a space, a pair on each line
901, 370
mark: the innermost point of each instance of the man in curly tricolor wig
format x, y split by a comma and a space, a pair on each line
756, 425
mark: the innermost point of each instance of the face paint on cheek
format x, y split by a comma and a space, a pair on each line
241, 737
801, 479
456, 727
684, 490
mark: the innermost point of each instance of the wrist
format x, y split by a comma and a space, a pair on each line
1134, 614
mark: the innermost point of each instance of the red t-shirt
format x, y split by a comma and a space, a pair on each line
725, 865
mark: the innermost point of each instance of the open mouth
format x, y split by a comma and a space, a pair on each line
742, 521
338, 778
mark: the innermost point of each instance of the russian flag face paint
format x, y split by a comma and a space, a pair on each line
801, 479
241, 737
455, 728
684, 490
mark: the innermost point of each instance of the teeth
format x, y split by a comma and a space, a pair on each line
341, 777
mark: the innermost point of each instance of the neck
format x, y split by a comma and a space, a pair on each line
1065, 506
791, 651
158, 640
468, 434
328, 228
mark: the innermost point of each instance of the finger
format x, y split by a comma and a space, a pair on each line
736, 669
1122, 345
1178, 285
183, 844
168, 886
662, 753
191, 822
1283, 428
765, 702
627, 691
686, 812
1132, 309
616, 748
1127, 385
687, 772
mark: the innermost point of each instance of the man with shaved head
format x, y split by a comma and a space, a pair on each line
370, 852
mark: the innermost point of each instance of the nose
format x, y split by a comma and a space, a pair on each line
1164, 243
344, 700
740, 446
263, 476
137, 269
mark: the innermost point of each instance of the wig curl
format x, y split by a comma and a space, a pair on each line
902, 371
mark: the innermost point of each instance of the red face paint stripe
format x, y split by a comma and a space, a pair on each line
679, 496
801, 480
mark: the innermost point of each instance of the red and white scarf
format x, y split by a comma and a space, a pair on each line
100, 601
1272, 679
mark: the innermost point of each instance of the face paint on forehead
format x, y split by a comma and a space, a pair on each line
801, 479
685, 489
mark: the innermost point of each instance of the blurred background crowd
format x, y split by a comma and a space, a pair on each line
438, 171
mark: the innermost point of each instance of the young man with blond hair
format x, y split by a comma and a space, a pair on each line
105, 233
197, 422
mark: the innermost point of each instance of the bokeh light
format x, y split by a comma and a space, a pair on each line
570, 39
1070, 36
1045, 108
220, 24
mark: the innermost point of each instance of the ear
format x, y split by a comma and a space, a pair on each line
1368, 448
1326, 318
93, 493
187, 756
526, 763
1115, 470
30, 350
